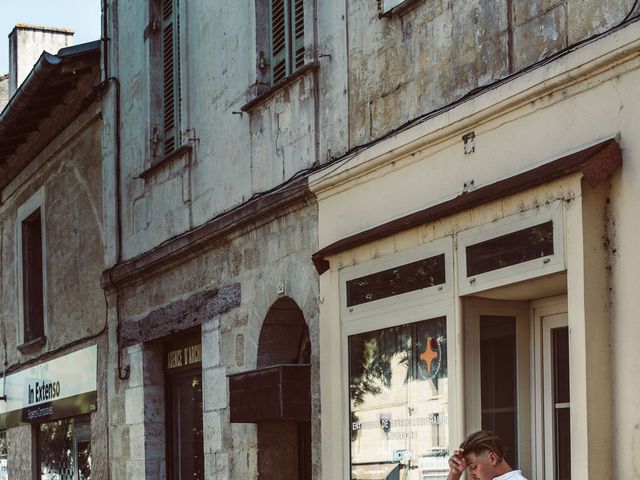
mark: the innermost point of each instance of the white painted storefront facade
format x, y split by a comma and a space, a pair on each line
583, 98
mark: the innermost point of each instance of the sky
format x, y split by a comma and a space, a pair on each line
81, 16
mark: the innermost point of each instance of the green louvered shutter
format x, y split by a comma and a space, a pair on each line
171, 74
280, 43
298, 34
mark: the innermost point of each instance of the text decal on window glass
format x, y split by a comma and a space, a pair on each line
398, 398
394, 281
510, 249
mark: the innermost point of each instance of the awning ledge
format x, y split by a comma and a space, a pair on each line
597, 163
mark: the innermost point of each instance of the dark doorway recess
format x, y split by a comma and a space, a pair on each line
277, 395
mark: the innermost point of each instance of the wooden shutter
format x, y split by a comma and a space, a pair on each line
298, 34
287, 37
171, 74
279, 39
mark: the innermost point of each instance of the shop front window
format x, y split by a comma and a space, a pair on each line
64, 450
3, 456
399, 402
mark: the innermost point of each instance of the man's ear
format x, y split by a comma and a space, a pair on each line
493, 458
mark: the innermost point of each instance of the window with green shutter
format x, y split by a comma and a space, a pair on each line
287, 37
171, 74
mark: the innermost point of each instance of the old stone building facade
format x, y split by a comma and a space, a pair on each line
210, 230
53, 413
332, 237
461, 173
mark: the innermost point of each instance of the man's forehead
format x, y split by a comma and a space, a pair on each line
472, 457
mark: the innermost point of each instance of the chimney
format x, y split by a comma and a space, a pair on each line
26, 43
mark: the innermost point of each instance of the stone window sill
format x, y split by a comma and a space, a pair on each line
282, 84
33, 345
160, 162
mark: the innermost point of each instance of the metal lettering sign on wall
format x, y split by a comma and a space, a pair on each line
183, 355
60, 388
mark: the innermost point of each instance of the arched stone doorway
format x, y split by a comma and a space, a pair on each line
277, 395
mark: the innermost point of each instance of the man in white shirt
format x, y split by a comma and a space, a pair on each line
482, 453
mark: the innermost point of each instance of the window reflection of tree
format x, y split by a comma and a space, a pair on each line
373, 355
56, 447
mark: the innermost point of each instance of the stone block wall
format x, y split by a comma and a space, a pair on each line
248, 268
424, 58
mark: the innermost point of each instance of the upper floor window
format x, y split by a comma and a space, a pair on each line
287, 38
171, 74
31, 267
32, 276
279, 40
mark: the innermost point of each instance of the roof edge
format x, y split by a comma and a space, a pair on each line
46, 65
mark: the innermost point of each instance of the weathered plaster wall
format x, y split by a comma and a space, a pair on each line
71, 180
259, 258
4, 91
19, 461
69, 171
233, 156
414, 63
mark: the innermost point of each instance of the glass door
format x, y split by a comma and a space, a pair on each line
498, 373
557, 402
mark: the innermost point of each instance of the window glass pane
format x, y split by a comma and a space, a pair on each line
394, 281
563, 444
3, 456
562, 410
55, 441
511, 249
32, 279
498, 379
399, 402
187, 448
84, 460
561, 364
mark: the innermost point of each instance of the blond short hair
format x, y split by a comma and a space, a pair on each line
484, 441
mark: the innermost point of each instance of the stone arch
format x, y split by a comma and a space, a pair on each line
284, 446
284, 336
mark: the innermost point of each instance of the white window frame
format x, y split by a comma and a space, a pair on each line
534, 321
547, 315
553, 211
405, 308
474, 308
36, 201
403, 300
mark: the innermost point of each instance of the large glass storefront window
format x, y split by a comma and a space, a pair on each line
399, 402
64, 450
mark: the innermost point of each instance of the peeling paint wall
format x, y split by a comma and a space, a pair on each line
232, 155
